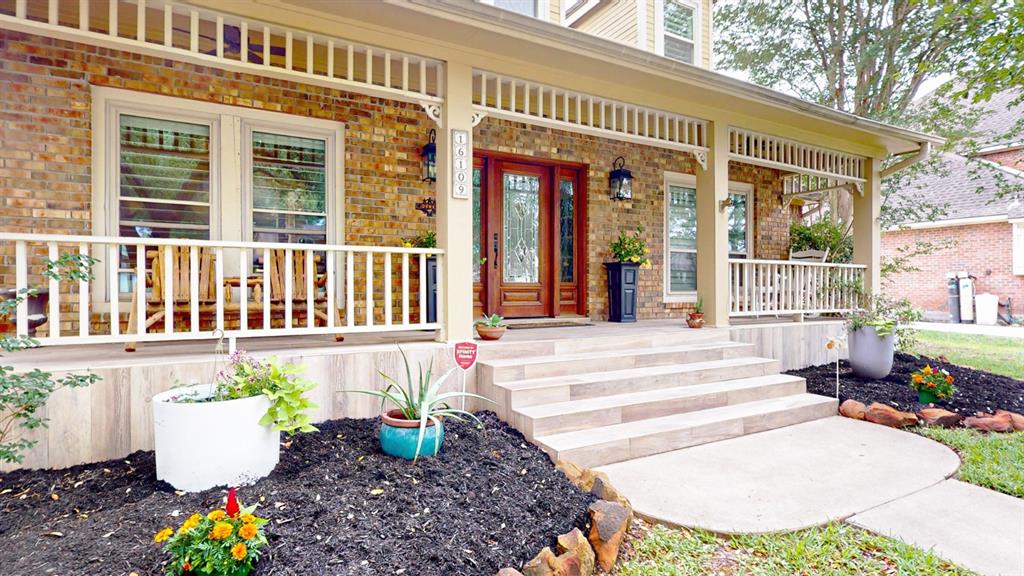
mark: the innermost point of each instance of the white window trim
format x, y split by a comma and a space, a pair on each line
543, 8
1017, 247
568, 20
230, 218
659, 28
690, 181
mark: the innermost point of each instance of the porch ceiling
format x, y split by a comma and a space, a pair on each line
494, 39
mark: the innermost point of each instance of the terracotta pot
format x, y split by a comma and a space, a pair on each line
695, 320
490, 333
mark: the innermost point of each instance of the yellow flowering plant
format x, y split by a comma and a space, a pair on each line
216, 544
631, 248
929, 381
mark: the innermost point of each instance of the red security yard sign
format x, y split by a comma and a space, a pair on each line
465, 354
465, 357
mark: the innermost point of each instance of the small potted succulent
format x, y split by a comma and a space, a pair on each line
491, 327
225, 542
630, 253
228, 433
932, 386
415, 427
695, 319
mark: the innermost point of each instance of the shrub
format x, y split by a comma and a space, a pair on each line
822, 235
224, 542
888, 316
937, 382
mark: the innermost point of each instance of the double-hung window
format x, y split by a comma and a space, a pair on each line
525, 7
181, 169
677, 30
681, 232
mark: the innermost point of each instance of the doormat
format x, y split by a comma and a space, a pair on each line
563, 324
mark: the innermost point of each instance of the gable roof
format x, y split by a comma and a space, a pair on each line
1004, 115
956, 188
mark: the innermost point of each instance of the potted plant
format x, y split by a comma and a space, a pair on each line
491, 327
427, 240
696, 318
874, 333
932, 386
415, 427
228, 433
225, 542
630, 253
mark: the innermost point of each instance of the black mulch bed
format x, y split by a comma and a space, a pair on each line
489, 500
977, 391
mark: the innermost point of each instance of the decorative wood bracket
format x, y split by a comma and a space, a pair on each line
478, 117
433, 110
702, 158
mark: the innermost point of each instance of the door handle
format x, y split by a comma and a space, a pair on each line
495, 245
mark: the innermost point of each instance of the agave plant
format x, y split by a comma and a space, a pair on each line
420, 399
492, 321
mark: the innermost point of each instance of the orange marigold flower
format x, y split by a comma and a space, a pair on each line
221, 530
217, 515
247, 518
186, 566
247, 531
238, 551
927, 370
191, 522
931, 384
163, 535
949, 379
918, 378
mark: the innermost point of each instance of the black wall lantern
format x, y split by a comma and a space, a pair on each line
620, 181
429, 155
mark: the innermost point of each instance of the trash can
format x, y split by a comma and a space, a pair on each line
953, 287
986, 308
966, 298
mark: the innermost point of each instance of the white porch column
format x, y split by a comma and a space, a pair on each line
867, 233
713, 227
455, 215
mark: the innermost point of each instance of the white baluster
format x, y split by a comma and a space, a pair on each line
83, 296
289, 274
350, 290
243, 41
369, 288
168, 23
243, 289
83, 15
193, 289
140, 289
332, 312
20, 285
405, 288
423, 288
310, 291
113, 289
387, 289
289, 54
218, 267
140, 20
168, 290
266, 289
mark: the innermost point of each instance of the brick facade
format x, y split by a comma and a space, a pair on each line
46, 159
1011, 158
606, 217
981, 249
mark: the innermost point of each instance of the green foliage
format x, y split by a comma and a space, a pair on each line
822, 235
421, 399
993, 461
246, 376
903, 259
631, 248
835, 549
888, 316
699, 306
425, 240
22, 395
988, 353
936, 382
215, 544
492, 321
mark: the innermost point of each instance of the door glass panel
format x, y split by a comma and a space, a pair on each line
738, 224
476, 226
566, 229
521, 228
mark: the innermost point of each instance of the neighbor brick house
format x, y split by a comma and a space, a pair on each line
245, 170
984, 233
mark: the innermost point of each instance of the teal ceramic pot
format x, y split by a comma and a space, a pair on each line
398, 436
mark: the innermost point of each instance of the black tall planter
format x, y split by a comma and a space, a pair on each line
431, 289
623, 278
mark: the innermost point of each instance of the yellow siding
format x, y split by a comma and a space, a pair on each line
555, 11
705, 33
652, 17
612, 19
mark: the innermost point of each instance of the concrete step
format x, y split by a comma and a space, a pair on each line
530, 392
618, 442
558, 417
506, 370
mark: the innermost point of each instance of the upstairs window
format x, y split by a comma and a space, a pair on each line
524, 7
678, 31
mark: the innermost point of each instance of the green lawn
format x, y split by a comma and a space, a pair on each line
834, 550
998, 355
994, 461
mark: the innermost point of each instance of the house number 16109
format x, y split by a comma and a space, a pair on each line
461, 164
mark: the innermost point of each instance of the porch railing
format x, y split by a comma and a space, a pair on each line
198, 289
785, 287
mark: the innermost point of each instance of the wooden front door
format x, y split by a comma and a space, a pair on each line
528, 237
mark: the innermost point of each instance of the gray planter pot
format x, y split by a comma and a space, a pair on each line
870, 354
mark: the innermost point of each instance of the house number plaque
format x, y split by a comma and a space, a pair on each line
461, 164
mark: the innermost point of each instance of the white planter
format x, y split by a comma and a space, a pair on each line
200, 445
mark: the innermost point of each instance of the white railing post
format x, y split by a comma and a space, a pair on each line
289, 272
310, 290
387, 289
83, 296
243, 290
165, 253
369, 288
54, 316
193, 289
113, 289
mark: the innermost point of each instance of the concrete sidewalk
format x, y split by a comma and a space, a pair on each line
785, 479
998, 331
976, 528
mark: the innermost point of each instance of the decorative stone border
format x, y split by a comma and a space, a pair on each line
579, 555
1001, 421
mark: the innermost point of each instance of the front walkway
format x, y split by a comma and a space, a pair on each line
888, 481
976, 329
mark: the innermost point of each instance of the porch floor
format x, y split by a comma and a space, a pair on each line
91, 356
